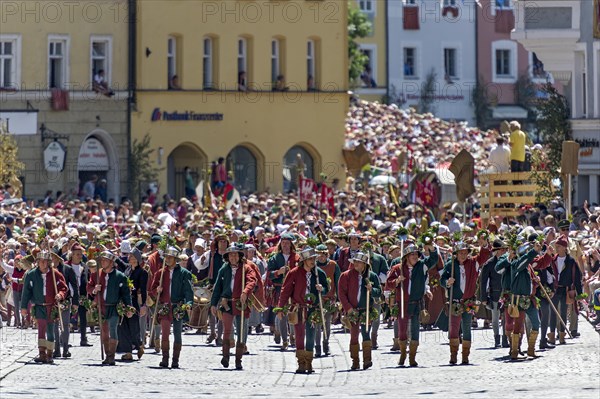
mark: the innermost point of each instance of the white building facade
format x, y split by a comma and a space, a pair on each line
433, 38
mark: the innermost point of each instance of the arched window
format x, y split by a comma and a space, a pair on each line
242, 162
292, 165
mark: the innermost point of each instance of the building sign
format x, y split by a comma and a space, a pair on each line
20, 123
92, 156
437, 97
54, 157
158, 115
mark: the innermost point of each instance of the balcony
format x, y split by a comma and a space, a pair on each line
551, 29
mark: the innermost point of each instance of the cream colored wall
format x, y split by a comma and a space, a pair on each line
36, 21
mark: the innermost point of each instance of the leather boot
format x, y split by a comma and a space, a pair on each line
367, 346
112, 345
157, 346
466, 351
505, 343
402, 348
326, 348
176, 353
531, 343
308, 358
211, 338
454, 343
165, 354
413, 353
239, 352
552, 338
354, 355
225, 358
106, 350
374, 340
317, 351
49, 356
561, 338
396, 345
301, 362
41, 358
514, 347
293, 340
496, 341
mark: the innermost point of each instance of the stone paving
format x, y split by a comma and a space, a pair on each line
568, 371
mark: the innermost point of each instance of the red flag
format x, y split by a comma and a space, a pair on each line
306, 188
326, 198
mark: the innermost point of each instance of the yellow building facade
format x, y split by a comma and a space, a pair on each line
373, 84
254, 82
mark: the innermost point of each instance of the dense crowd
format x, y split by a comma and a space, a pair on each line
271, 236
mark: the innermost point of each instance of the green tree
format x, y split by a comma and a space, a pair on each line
358, 27
10, 167
553, 124
428, 93
481, 103
141, 168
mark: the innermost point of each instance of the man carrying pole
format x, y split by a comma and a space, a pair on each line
352, 291
39, 289
303, 285
111, 288
409, 274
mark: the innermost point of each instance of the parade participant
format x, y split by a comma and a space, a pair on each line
348, 252
491, 286
259, 265
172, 286
18, 276
129, 329
523, 287
61, 337
75, 262
109, 286
567, 285
215, 260
154, 264
503, 267
409, 278
379, 266
278, 265
356, 287
303, 285
46, 288
332, 270
235, 283
460, 278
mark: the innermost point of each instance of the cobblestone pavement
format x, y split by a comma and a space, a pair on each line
568, 371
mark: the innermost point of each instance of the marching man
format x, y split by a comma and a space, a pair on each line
409, 280
45, 287
303, 285
331, 268
109, 286
173, 287
460, 278
234, 285
357, 287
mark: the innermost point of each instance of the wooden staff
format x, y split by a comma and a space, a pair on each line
451, 296
368, 305
160, 281
60, 318
402, 282
551, 303
241, 332
325, 337
99, 305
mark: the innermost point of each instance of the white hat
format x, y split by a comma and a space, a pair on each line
200, 243
125, 247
